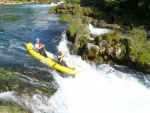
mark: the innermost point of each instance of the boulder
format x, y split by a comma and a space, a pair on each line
92, 50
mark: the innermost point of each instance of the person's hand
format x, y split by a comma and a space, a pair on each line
61, 56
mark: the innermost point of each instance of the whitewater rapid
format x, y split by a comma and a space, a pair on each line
98, 89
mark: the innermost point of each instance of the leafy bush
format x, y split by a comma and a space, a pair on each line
73, 1
79, 15
52, 9
76, 26
113, 37
82, 41
141, 49
66, 18
138, 34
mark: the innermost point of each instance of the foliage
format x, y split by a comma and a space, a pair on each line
145, 56
113, 37
4, 75
74, 27
79, 15
66, 18
52, 9
73, 1
12, 109
125, 12
82, 41
138, 34
141, 49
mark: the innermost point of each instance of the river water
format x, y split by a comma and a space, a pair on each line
98, 89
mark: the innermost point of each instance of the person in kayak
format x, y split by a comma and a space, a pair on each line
40, 47
60, 59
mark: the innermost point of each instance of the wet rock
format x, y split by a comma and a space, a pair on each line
103, 24
92, 50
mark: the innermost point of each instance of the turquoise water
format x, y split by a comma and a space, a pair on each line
20, 24
98, 89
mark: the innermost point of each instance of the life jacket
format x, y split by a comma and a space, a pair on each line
59, 59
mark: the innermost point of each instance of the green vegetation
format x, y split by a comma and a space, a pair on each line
141, 48
73, 1
113, 38
125, 12
66, 18
12, 109
82, 41
38, 1
74, 27
132, 47
79, 15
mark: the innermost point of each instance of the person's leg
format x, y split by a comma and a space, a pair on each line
45, 54
42, 52
63, 63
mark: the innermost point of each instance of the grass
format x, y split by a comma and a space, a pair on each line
141, 49
66, 18
12, 109
74, 27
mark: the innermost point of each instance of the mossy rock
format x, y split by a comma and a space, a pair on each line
15, 82
12, 109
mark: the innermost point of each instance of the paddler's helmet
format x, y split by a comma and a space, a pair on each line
37, 39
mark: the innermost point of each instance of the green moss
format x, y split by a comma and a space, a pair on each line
112, 38
15, 86
74, 27
93, 50
2, 71
66, 18
52, 9
82, 41
3, 109
145, 57
91, 11
138, 34
79, 15
140, 45
12, 109
38, 91
73, 1
123, 49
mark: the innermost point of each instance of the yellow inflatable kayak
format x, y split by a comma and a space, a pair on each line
52, 61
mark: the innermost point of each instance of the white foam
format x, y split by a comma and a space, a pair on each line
98, 89
7, 95
98, 31
94, 91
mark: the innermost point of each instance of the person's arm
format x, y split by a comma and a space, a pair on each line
41, 47
60, 56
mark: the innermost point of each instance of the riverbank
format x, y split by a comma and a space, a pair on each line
30, 2
130, 49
